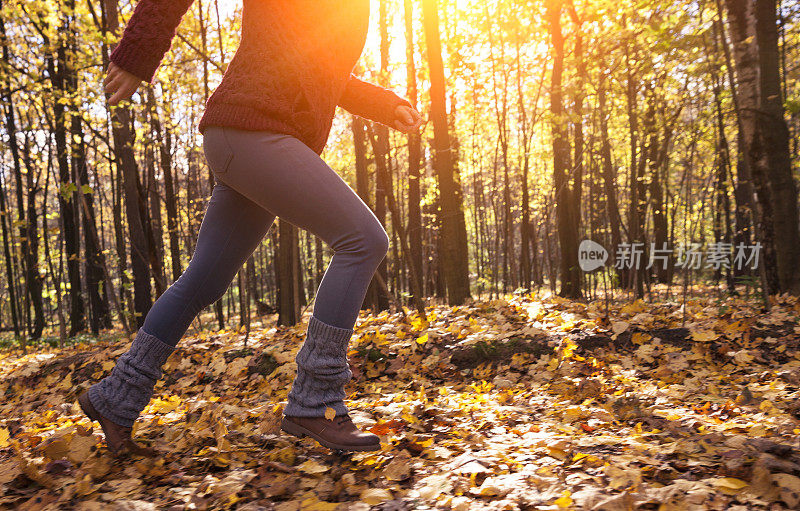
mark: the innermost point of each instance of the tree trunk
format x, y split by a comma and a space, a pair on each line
609, 173
775, 133
569, 270
123, 148
164, 141
414, 155
67, 199
453, 234
382, 176
99, 310
358, 126
11, 128
765, 139
577, 165
286, 267
155, 232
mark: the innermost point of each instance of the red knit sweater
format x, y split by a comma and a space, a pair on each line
293, 66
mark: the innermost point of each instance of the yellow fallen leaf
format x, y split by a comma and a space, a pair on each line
422, 339
375, 496
4, 436
729, 485
633, 308
618, 327
236, 367
704, 335
84, 486
57, 449
569, 348
314, 504
620, 478
312, 467
490, 488
565, 500
217, 367
165, 405
397, 470
330, 413
80, 447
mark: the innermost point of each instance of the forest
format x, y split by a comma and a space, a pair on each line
594, 246
634, 125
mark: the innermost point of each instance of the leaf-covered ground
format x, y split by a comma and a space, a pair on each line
509, 404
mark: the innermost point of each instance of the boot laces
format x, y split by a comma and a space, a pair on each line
342, 419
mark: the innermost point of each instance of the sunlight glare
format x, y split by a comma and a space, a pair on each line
228, 7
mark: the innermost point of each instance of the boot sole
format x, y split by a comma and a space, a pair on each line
300, 431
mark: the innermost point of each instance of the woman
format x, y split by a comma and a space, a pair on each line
263, 130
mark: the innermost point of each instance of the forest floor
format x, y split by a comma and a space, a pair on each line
511, 404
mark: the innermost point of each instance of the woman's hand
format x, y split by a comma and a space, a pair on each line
120, 83
407, 119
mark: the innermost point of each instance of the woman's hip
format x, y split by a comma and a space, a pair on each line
286, 177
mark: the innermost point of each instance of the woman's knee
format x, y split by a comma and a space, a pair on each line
202, 286
376, 241
368, 242
215, 293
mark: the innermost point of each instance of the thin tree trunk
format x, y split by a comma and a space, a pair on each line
164, 140
286, 268
155, 231
60, 78
362, 189
123, 148
569, 270
414, 156
11, 128
382, 175
609, 175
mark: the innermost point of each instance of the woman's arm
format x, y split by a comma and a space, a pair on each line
148, 35
371, 101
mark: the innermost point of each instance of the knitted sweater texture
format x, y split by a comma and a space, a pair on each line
292, 68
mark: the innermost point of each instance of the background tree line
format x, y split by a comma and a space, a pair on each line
549, 122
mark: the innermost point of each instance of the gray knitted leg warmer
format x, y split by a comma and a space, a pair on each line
125, 392
322, 372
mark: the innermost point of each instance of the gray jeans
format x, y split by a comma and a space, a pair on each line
261, 175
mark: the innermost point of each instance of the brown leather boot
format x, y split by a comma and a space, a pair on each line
118, 438
339, 433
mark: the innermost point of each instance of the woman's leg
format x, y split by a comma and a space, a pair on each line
284, 176
231, 229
